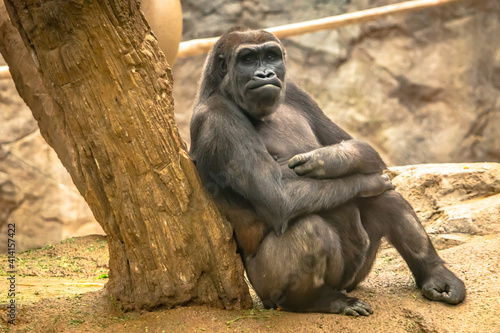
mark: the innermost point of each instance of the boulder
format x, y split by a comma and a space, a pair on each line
453, 201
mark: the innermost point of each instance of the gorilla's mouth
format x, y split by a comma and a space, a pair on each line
255, 84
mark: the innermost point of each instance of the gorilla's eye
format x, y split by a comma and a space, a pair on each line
271, 56
248, 59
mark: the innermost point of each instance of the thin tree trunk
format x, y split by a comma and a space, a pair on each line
102, 97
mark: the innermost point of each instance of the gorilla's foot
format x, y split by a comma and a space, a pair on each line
350, 306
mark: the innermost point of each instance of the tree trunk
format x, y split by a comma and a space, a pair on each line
102, 98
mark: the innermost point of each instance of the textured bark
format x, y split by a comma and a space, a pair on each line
102, 97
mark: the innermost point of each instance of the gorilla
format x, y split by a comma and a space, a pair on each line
309, 204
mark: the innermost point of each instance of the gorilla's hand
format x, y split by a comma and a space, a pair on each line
321, 163
346, 158
442, 285
375, 184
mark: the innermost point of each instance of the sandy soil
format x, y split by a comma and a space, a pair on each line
59, 290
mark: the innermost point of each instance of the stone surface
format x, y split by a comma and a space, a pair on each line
453, 201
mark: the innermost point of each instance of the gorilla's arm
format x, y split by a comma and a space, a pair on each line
229, 153
345, 158
341, 155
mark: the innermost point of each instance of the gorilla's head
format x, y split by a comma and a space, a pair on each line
248, 67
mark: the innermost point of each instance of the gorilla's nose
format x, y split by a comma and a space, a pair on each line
264, 74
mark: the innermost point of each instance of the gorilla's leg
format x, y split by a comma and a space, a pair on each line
370, 257
289, 271
354, 239
391, 216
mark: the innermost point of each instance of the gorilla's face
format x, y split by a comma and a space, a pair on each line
256, 75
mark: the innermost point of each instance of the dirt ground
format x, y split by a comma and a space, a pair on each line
60, 289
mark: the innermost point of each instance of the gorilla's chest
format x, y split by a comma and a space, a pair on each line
287, 133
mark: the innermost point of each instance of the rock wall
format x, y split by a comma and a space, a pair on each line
422, 87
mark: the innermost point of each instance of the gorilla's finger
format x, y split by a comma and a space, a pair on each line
304, 169
350, 312
362, 308
432, 294
361, 311
366, 306
454, 296
298, 160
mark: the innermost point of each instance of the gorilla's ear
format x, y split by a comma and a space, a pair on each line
222, 64
214, 70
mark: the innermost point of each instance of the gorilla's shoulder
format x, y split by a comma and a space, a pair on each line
300, 100
218, 110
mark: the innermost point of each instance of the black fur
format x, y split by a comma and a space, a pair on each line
309, 204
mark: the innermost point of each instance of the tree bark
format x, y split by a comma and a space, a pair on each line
100, 89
